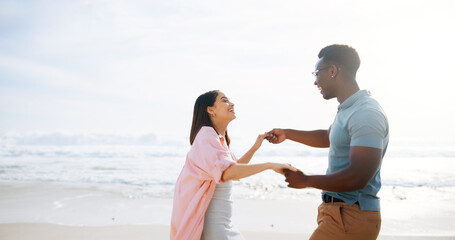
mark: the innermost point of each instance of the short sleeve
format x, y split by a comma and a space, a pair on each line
210, 157
368, 128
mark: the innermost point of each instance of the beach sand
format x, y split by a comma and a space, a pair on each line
33, 231
36, 210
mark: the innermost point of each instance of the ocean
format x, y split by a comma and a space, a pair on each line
143, 166
417, 194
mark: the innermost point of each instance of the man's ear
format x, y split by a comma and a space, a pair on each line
333, 71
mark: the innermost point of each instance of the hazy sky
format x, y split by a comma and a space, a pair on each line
138, 66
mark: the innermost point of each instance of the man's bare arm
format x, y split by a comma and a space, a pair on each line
365, 162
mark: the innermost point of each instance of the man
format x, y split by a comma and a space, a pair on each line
357, 139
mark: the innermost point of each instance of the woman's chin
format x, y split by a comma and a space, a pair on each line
232, 118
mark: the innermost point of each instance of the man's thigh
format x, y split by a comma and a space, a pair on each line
341, 221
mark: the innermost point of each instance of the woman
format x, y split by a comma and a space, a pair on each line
202, 205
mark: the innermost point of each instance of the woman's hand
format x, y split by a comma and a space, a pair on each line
259, 141
248, 155
281, 167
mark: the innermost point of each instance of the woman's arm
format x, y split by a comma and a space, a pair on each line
248, 155
245, 159
238, 170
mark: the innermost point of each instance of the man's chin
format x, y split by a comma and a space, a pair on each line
327, 97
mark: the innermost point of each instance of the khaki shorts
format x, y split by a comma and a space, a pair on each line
340, 221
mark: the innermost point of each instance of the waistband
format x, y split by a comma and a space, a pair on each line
329, 199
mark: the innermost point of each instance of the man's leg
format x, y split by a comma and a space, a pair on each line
340, 221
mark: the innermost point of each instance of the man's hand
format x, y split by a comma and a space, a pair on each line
276, 136
295, 179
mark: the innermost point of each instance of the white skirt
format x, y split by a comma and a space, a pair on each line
217, 223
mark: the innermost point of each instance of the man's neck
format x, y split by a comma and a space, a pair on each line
347, 91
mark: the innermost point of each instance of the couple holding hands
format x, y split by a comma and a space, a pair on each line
357, 139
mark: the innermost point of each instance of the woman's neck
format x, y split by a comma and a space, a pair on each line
220, 128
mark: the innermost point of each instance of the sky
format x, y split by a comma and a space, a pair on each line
137, 67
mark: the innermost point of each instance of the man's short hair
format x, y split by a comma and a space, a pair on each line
343, 55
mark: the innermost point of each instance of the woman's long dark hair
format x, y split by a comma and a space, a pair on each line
201, 116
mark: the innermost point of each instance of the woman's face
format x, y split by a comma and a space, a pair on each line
223, 109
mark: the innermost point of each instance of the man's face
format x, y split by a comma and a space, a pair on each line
324, 81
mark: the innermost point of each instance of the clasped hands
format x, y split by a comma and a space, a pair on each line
295, 179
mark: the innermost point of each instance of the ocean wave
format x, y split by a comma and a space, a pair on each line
96, 145
148, 166
156, 177
92, 151
75, 139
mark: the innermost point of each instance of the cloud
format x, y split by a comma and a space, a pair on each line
145, 62
46, 74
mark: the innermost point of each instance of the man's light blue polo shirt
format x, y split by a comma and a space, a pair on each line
360, 121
